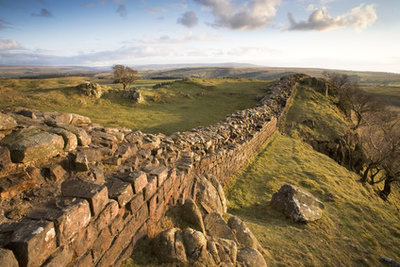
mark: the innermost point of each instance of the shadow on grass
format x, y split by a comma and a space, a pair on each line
263, 215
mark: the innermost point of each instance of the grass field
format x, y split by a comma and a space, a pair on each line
357, 227
177, 107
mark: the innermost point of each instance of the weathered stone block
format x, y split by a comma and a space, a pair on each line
161, 173
107, 215
15, 185
85, 261
75, 218
7, 122
136, 202
83, 138
62, 257
138, 180
84, 240
150, 188
5, 159
79, 120
97, 195
57, 172
70, 139
81, 162
120, 191
102, 243
33, 144
34, 242
7, 258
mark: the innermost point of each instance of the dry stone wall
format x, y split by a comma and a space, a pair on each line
78, 194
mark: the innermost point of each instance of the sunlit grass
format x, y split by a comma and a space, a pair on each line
357, 227
177, 107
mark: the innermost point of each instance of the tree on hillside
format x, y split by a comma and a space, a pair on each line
125, 75
338, 82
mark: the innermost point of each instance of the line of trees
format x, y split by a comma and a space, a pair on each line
372, 145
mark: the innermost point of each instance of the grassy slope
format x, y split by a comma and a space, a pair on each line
178, 107
357, 227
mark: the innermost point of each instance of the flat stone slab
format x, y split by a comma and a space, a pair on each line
32, 144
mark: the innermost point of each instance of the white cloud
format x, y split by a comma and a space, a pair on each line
156, 10
188, 19
320, 20
253, 14
9, 45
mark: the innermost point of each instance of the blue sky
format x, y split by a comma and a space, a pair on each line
343, 34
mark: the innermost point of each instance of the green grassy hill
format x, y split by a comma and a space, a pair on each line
357, 227
180, 106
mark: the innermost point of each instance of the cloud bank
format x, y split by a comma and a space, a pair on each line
320, 20
188, 19
9, 44
251, 15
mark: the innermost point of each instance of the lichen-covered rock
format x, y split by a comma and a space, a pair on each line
196, 247
297, 204
242, 233
250, 257
134, 95
191, 214
216, 226
223, 251
70, 139
207, 196
91, 89
7, 122
7, 258
32, 144
5, 159
169, 248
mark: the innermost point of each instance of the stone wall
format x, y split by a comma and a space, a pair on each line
78, 194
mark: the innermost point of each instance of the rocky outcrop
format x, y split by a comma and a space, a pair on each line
210, 198
297, 204
91, 89
134, 95
220, 245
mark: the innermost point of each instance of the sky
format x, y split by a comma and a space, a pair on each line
335, 34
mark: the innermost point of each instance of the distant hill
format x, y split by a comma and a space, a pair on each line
14, 71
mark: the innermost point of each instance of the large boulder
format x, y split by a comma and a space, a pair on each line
250, 257
223, 251
195, 245
169, 247
7, 122
242, 233
216, 226
208, 197
191, 214
33, 144
297, 204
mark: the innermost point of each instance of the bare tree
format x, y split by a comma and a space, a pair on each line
337, 82
125, 75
